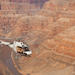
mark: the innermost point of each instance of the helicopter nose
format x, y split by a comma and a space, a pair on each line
27, 52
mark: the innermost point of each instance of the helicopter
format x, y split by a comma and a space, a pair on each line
18, 47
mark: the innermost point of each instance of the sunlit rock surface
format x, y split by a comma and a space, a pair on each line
50, 34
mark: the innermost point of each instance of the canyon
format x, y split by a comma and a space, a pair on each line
49, 31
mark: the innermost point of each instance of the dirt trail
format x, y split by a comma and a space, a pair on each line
5, 57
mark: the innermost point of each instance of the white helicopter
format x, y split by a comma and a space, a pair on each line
18, 47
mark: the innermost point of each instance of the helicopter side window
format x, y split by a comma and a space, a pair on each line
26, 48
11, 43
19, 47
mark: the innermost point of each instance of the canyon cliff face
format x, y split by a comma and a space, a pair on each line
49, 31
51, 20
